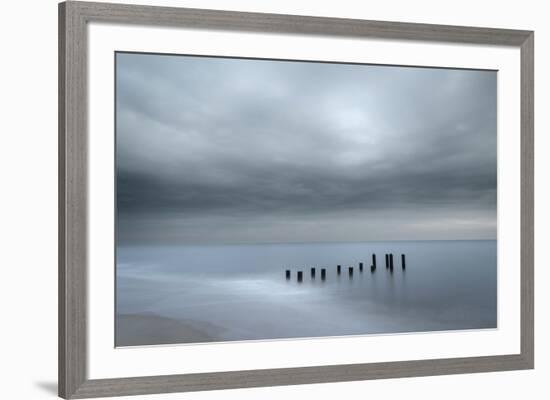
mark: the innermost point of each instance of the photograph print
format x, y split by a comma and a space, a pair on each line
261, 199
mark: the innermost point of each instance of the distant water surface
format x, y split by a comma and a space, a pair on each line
184, 294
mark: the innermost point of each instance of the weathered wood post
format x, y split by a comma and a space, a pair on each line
287, 274
360, 267
403, 261
323, 274
387, 261
313, 272
300, 276
372, 268
391, 261
350, 269
339, 269
374, 260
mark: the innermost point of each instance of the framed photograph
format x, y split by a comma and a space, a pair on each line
255, 199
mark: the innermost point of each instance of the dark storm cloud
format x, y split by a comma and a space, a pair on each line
232, 144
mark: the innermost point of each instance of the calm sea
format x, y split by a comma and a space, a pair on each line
181, 294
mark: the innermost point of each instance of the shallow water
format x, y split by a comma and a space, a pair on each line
239, 292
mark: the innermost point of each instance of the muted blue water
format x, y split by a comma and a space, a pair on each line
239, 292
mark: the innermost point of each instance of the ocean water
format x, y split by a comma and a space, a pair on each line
183, 294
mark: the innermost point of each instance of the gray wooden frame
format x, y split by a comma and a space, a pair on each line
73, 20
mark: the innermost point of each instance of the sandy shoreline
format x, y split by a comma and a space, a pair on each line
152, 329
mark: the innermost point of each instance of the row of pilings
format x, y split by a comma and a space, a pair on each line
323, 270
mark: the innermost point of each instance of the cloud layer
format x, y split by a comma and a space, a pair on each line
234, 150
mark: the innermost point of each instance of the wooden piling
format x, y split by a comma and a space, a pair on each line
313, 272
350, 269
323, 273
391, 261
372, 268
300, 276
339, 269
403, 261
360, 267
374, 260
387, 261
287, 274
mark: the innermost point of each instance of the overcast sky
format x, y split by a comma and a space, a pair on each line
217, 150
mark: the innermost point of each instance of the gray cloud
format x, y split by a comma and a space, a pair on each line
231, 150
